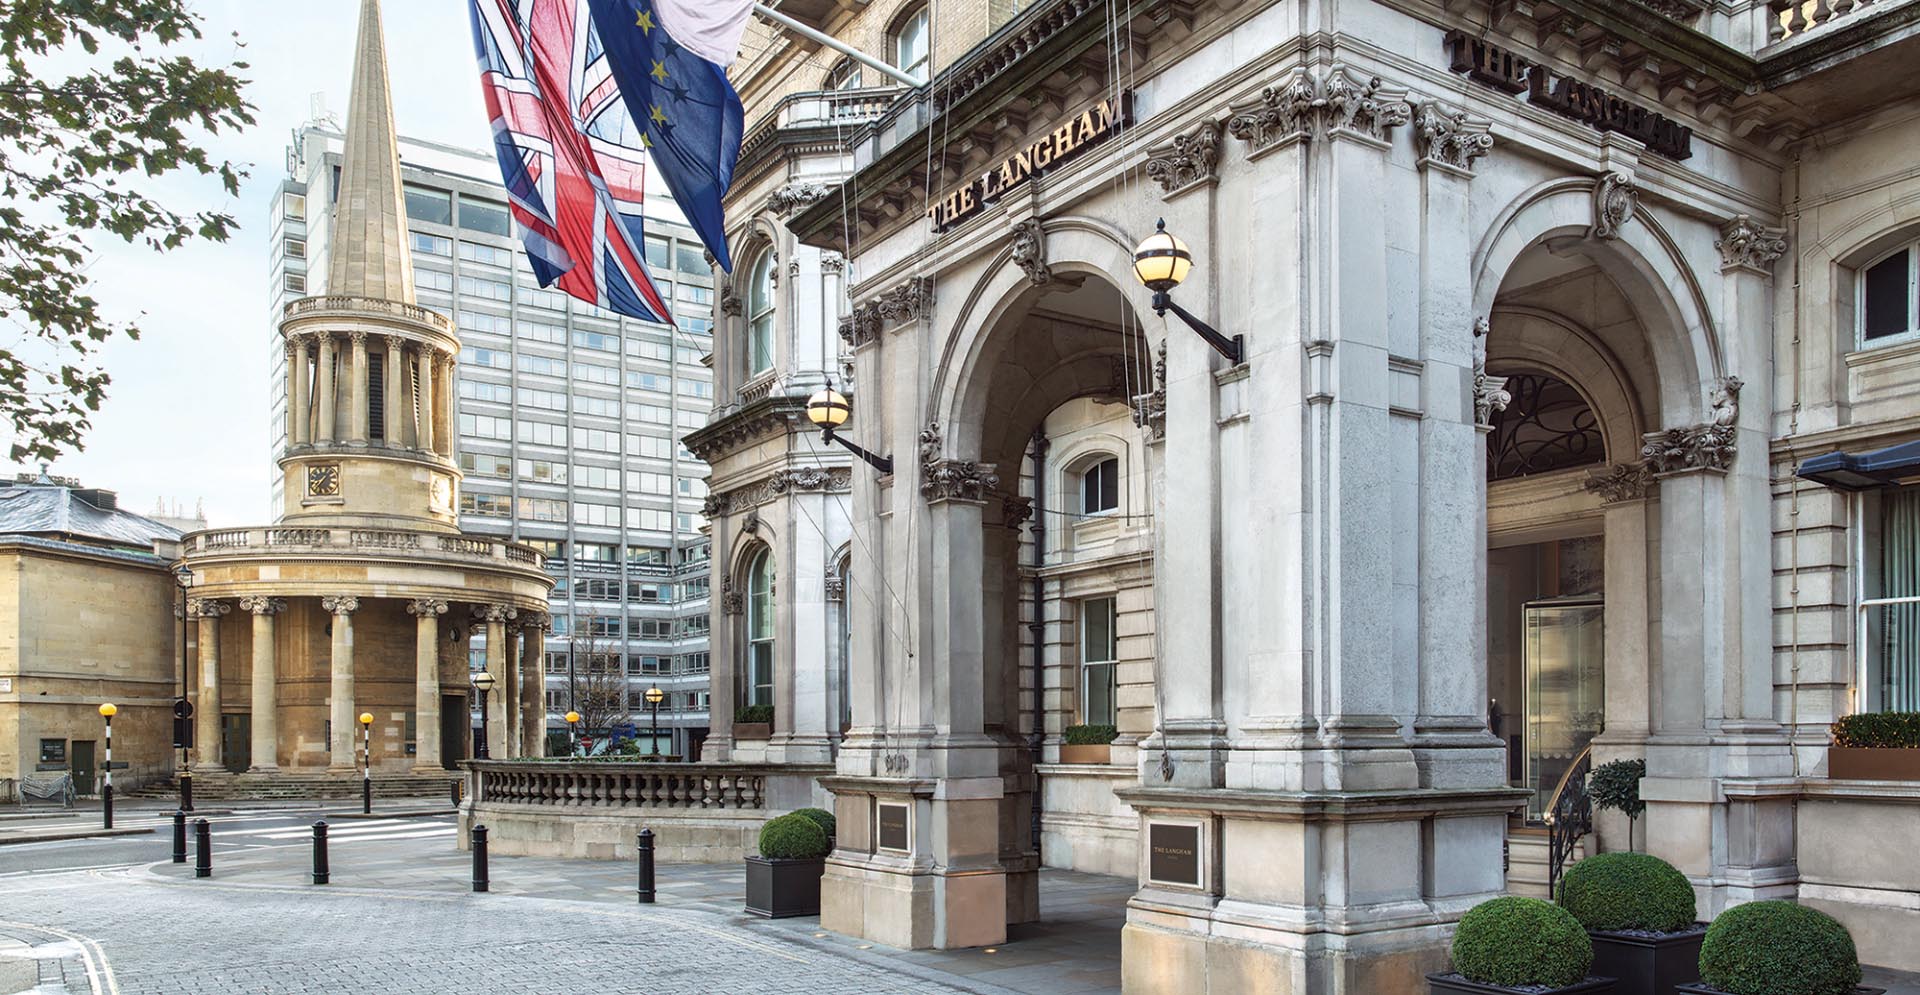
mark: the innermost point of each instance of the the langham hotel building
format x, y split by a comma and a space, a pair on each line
1535, 314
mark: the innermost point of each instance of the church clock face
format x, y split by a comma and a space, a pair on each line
323, 480
442, 493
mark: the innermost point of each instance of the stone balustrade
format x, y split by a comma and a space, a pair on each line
1794, 18
334, 303
332, 541
641, 785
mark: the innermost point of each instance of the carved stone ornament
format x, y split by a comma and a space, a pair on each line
730, 303
930, 443
1699, 447
1620, 482
1016, 510
732, 602
1744, 243
796, 197
750, 525
1314, 106
714, 506
1150, 409
1188, 159
1614, 201
495, 613
907, 302
262, 605
340, 604
531, 622
833, 262
207, 608
806, 478
1449, 136
1489, 396
427, 607
836, 586
957, 480
1030, 251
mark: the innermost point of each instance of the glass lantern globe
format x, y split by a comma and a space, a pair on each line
828, 409
1162, 260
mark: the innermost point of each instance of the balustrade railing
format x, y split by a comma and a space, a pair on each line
839, 107
1793, 18
339, 302
1569, 817
287, 538
629, 785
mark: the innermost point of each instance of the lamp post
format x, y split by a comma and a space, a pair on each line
654, 697
829, 409
1160, 263
483, 682
573, 726
182, 708
366, 763
107, 712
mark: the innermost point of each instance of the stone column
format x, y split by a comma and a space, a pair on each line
206, 716
323, 427
426, 665
393, 390
340, 703
443, 408
266, 675
296, 390
423, 398
533, 686
499, 714
359, 396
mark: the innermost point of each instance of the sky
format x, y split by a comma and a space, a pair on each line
185, 419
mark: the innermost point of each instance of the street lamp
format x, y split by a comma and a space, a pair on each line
483, 682
654, 697
366, 763
829, 409
182, 708
107, 711
1161, 262
573, 724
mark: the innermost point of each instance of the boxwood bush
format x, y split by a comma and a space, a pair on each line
792, 837
1896, 730
753, 713
1514, 942
821, 817
1778, 948
1090, 735
1613, 891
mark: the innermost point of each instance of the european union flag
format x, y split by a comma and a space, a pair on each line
667, 56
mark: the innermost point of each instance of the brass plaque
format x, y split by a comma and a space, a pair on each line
893, 827
323, 480
1173, 854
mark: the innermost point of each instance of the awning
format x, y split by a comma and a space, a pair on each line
1864, 471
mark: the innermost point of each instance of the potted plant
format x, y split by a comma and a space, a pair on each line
784, 879
1876, 746
1088, 745
1638, 911
822, 818
1616, 786
1761, 948
1519, 945
753, 722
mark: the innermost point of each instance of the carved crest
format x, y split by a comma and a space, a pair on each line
1614, 201
1030, 251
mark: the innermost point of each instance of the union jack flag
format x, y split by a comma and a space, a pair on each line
570, 155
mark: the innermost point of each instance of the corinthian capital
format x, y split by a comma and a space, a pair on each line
340, 604
495, 613
427, 607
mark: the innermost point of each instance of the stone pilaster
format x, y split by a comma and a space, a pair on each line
423, 430
426, 666
298, 417
265, 719
500, 707
392, 375
532, 713
340, 701
324, 418
206, 716
360, 394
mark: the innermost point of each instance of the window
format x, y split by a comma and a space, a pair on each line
845, 75
432, 206
759, 662
649, 446
648, 381
492, 290
474, 252
297, 282
605, 407
543, 509
588, 513
688, 257
494, 358
1001, 11
296, 248
293, 207
482, 216
540, 331
1890, 606
495, 505
433, 279
909, 44
598, 440
475, 390
485, 427
597, 477
539, 433
1098, 649
645, 349
543, 365
595, 552
658, 257
432, 245
546, 400
592, 373
1888, 307
1100, 487
486, 465
760, 316
480, 321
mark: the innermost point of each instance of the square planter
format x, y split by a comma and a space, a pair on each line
752, 730
1860, 763
1086, 753
1648, 965
1697, 988
1453, 984
778, 889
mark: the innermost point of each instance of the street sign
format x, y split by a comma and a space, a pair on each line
182, 724
626, 731
182, 708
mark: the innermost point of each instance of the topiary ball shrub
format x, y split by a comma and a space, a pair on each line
1615, 891
1778, 948
1513, 942
792, 837
820, 816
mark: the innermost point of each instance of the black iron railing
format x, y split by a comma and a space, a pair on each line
1569, 817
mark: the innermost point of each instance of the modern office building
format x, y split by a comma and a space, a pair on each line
566, 421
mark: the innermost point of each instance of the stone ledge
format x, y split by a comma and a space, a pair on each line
1318, 806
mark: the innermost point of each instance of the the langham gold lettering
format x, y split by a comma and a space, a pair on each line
1063, 142
1485, 62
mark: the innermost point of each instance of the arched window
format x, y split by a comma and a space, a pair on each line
1100, 487
909, 44
1547, 426
758, 685
760, 315
1890, 296
845, 75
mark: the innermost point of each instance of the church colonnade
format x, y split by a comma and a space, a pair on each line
334, 396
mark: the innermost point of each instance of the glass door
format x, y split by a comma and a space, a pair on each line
1565, 691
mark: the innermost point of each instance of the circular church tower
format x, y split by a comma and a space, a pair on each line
364, 595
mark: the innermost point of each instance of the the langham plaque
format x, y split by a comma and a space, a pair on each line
1173, 854
893, 827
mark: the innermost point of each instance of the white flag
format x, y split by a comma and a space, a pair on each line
710, 29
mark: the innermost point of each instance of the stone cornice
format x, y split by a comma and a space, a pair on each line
906, 302
773, 414
823, 479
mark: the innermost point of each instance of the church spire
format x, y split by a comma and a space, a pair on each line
370, 256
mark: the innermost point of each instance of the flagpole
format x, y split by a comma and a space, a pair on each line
833, 43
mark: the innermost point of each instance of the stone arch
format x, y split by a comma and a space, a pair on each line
1644, 261
1574, 354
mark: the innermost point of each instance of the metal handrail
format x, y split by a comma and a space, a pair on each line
1569, 816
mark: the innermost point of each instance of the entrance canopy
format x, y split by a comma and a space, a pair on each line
1864, 471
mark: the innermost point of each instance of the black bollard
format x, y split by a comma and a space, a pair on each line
179, 836
453, 788
645, 851
186, 791
202, 849
320, 873
366, 796
479, 858
106, 804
